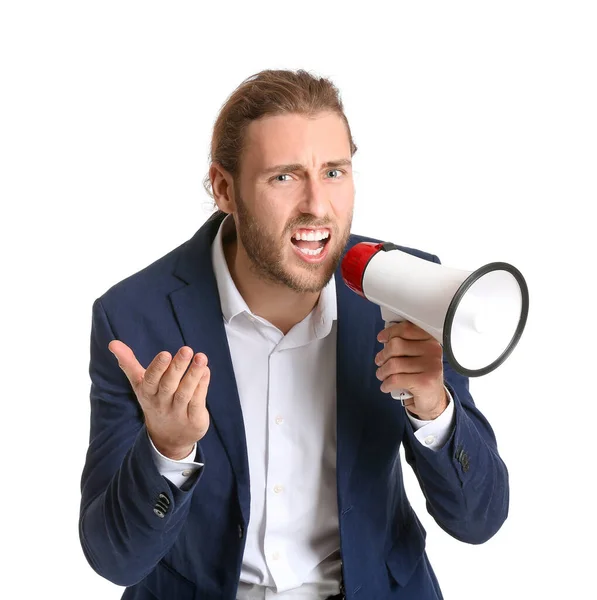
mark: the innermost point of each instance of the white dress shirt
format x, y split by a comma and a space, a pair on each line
287, 390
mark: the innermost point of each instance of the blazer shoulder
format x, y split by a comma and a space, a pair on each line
356, 239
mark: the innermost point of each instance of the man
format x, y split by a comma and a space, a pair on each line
257, 455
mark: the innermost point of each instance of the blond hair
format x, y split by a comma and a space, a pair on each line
269, 92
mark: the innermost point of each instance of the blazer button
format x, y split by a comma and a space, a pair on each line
464, 462
462, 457
240, 531
162, 504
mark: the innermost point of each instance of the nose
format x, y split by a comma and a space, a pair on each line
315, 201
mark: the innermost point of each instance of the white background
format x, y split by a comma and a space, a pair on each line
476, 127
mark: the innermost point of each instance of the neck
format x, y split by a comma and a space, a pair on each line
272, 301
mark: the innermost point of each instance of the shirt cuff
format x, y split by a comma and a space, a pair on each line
433, 434
177, 471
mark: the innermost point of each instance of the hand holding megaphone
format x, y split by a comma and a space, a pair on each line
478, 317
411, 359
390, 318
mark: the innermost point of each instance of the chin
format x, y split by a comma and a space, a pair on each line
309, 278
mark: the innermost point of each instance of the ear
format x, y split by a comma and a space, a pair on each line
222, 185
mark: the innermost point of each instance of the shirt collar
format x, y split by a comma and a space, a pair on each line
233, 304
231, 301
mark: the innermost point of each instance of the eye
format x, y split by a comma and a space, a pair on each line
335, 171
281, 175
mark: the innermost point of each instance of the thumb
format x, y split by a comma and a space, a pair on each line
127, 361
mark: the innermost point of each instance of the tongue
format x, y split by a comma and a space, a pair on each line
306, 245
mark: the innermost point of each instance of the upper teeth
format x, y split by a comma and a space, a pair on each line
311, 236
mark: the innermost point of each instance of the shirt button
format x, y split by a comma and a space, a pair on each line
187, 473
279, 420
278, 488
276, 555
430, 439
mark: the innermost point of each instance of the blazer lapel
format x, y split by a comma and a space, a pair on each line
355, 353
199, 315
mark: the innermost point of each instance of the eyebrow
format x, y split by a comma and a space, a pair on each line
298, 167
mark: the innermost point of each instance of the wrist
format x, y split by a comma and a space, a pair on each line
176, 453
434, 413
172, 452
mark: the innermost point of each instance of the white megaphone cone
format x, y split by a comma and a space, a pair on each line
478, 316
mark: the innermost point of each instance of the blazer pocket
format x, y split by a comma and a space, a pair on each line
405, 554
165, 583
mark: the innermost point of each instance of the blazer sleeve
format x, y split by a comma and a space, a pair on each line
465, 483
130, 515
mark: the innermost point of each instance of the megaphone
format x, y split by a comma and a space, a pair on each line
478, 316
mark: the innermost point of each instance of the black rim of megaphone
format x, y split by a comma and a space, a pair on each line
495, 266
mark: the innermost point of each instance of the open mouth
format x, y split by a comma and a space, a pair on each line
311, 243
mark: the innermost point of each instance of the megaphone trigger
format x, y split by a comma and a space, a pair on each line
401, 395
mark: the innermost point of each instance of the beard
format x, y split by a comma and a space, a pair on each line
266, 253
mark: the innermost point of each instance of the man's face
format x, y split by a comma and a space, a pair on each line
294, 220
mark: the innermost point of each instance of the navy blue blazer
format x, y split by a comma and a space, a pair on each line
139, 530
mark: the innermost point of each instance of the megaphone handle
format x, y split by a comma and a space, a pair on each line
399, 394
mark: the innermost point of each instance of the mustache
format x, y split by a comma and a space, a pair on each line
308, 222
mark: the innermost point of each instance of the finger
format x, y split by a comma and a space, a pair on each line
401, 364
404, 329
128, 362
415, 383
196, 407
401, 381
189, 382
400, 347
154, 372
171, 378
